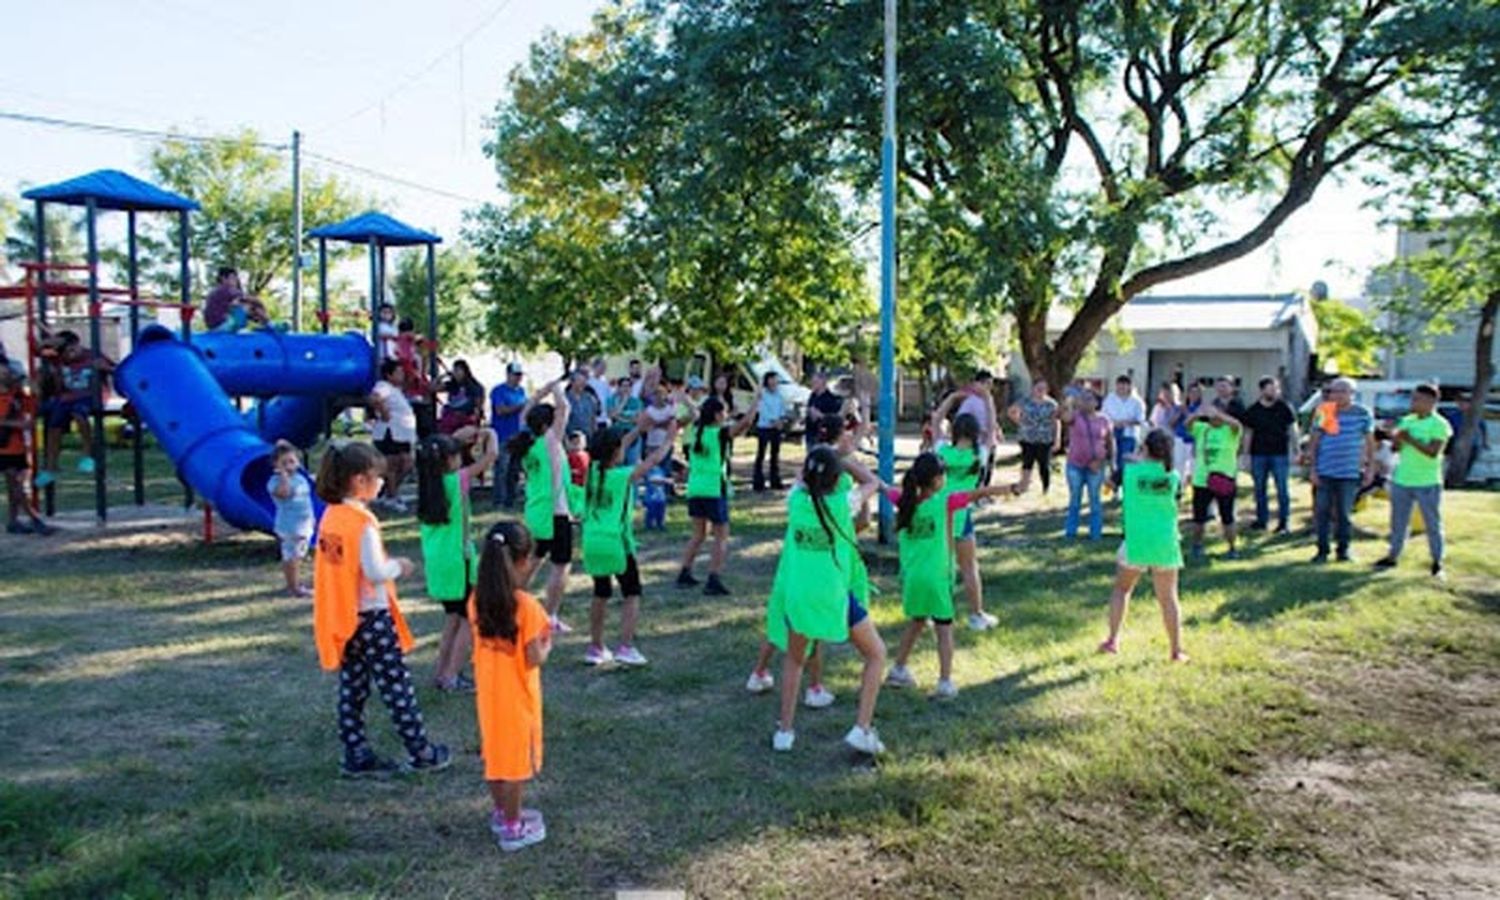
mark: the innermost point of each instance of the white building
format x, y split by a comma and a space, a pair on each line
1447, 358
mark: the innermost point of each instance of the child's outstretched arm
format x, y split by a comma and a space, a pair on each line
748, 419
939, 419
660, 453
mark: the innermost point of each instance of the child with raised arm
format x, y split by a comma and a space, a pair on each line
1151, 542
961, 455
539, 447
449, 557
609, 537
708, 491
925, 510
357, 622
512, 640
292, 493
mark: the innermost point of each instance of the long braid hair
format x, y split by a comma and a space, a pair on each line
495, 594
602, 449
923, 472
538, 419
433, 453
820, 477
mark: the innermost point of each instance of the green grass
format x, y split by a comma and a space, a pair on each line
167, 731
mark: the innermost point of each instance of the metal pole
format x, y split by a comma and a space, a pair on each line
100, 505
50, 491
133, 269
296, 230
184, 298
375, 304
888, 274
432, 360
323, 283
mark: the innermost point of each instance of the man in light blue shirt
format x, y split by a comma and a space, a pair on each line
769, 423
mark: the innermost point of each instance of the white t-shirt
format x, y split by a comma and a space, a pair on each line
660, 416
402, 424
1125, 409
977, 405
604, 392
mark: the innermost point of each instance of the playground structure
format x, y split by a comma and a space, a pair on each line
182, 388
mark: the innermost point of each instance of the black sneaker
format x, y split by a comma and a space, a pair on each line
1438, 573
42, 528
1385, 562
1282, 529
437, 759
685, 579
18, 527
715, 588
1319, 560
1346, 556
367, 765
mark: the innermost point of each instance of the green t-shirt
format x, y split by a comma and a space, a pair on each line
449, 560
814, 577
541, 497
1150, 498
705, 463
1413, 467
927, 560
1216, 448
963, 475
608, 532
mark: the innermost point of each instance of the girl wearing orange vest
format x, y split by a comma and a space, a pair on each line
512, 639
357, 624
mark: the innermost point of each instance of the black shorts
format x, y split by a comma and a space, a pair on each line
559, 547
630, 581
1035, 454
458, 608
13, 462
391, 447
1203, 498
714, 509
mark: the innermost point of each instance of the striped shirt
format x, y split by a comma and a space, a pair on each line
1339, 454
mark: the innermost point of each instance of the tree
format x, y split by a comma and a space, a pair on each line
1087, 149
246, 219
1347, 337
460, 310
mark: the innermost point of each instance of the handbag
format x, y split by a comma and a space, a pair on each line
1220, 485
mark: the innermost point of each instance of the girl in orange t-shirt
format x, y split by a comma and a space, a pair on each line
512, 638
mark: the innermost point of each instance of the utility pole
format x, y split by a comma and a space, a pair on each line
888, 275
297, 230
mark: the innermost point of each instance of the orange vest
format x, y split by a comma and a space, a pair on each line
339, 581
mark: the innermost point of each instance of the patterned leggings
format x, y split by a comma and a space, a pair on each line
375, 652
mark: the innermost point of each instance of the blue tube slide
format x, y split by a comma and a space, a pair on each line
179, 391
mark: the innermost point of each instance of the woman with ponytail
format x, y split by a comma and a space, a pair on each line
708, 490
925, 507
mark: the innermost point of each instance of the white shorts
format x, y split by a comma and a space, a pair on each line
1124, 564
293, 546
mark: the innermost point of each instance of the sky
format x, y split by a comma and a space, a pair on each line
403, 90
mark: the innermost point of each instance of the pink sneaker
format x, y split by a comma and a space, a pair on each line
1109, 646
561, 627
512, 836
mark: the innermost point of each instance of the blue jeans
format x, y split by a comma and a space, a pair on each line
1124, 446
1335, 503
504, 489
1276, 467
1078, 477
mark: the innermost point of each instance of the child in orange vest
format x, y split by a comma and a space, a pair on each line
357, 624
512, 638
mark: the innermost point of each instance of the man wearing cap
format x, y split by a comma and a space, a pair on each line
507, 399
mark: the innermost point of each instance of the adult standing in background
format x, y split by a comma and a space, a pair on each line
979, 402
507, 400
1227, 397
1089, 439
584, 407
1342, 451
1039, 431
824, 407
599, 384
1126, 412
1171, 415
1273, 434
724, 393
770, 417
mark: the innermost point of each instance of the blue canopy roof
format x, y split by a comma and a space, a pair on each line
379, 226
112, 189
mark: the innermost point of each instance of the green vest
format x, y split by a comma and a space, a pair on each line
541, 499
706, 465
963, 475
810, 594
927, 560
1150, 497
1216, 448
608, 532
449, 560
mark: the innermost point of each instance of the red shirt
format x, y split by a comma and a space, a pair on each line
578, 466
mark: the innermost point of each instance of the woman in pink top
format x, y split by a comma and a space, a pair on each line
1090, 444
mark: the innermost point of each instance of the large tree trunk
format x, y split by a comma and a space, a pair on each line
1484, 373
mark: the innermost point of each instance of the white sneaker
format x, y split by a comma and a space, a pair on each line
982, 621
945, 690
782, 741
561, 627
626, 655
900, 677
817, 697
760, 682
597, 656
865, 740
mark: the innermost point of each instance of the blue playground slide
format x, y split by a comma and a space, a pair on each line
182, 394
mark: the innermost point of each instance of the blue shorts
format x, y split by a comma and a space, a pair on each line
967, 532
714, 509
60, 413
857, 611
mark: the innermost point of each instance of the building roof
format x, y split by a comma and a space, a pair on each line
1211, 312
380, 227
112, 189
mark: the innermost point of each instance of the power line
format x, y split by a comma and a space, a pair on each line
393, 179
127, 131
433, 64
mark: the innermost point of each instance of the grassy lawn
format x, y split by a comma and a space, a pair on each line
167, 731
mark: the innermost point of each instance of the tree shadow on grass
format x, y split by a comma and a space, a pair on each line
1269, 590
